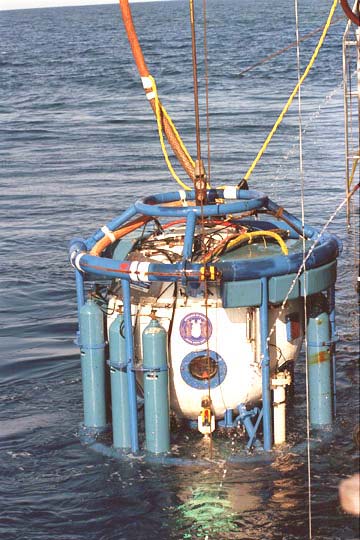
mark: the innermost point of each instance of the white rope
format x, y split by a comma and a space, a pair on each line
302, 184
312, 247
105, 229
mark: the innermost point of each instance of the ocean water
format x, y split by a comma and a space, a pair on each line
78, 144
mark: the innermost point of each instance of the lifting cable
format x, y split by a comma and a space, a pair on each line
159, 112
200, 195
206, 74
294, 92
302, 186
167, 125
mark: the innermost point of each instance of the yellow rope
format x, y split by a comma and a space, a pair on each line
294, 92
249, 236
178, 138
353, 170
158, 110
254, 234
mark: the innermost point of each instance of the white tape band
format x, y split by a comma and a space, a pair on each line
108, 233
230, 192
151, 95
146, 82
133, 271
138, 271
182, 195
143, 269
77, 261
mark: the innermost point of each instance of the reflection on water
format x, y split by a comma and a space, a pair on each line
209, 511
229, 507
257, 501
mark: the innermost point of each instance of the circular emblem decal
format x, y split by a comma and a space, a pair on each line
195, 328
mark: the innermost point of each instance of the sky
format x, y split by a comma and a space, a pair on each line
24, 4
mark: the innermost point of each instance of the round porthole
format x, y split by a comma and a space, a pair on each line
203, 367
199, 369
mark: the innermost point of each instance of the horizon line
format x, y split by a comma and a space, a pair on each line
10, 5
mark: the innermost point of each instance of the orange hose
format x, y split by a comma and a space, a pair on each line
133, 39
106, 241
144, 72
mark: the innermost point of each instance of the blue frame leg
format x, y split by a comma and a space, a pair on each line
129, 347
265, 365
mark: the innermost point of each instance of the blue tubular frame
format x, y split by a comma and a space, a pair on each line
189, 236
80, 292
252, 200
80, 297
333, 337
273, 207
129, 344
252, 439
326, 251
327, 248
244, 418
265, 365
112, 226
234, 270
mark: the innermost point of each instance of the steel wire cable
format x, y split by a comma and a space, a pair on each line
302, 186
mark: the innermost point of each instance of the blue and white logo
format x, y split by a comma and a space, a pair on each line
195, 328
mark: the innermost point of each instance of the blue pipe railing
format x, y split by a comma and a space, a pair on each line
235, 270
326, 251
333, 337
129, 345
80, 292
189, 236
265, 365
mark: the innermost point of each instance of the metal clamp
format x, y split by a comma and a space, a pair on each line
322, 344
145, 369
119, 366
93, 347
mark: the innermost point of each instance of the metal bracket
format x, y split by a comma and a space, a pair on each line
244, 418
93, 347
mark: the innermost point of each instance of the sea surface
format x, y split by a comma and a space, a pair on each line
78, 143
